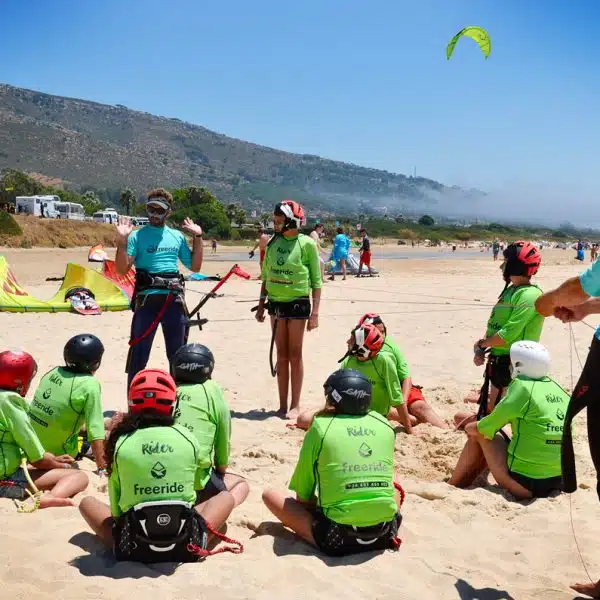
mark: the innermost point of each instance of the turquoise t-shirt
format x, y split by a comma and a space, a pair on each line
590, 282
157, 250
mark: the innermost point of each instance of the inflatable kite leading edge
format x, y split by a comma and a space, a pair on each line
14, 298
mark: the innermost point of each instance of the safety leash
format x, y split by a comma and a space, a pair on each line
235, 548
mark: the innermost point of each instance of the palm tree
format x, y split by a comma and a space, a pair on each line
128, 200
240, 216
231, 211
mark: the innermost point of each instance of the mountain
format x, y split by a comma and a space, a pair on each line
88, 144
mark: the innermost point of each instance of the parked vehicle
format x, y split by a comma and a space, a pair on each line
38, 206
107, 215
70, 210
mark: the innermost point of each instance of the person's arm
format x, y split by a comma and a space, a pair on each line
406, 388
94, 423
126, 245
316, 283
17, 419
573, 292
394, 390
222, 433
303, 480
509, 408
192, 260
114, 491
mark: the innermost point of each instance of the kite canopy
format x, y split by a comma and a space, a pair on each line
14, 298
478, 34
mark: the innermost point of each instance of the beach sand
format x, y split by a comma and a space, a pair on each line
467, 544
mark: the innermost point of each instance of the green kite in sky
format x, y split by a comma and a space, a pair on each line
479, 34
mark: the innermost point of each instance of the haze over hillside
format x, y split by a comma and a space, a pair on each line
90, 144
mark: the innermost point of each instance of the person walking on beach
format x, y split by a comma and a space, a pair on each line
316, 234
158, 296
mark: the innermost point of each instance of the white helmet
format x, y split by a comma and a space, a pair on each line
530, 359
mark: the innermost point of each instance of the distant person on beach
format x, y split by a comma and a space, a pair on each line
529, 464
341, 248
316, 234
50, 473
291, 273
159, 294
346, 501
365, 253
214, 246
261, 244
495, 249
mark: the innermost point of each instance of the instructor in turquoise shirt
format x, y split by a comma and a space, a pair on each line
155, 250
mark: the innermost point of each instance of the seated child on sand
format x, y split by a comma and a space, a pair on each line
419, 409
202, 410
18, 439
529, 464
346, 501
69, 396
364, 355
153, 461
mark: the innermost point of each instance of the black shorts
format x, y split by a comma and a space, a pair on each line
540, 488
294, 309
500, 371
214, 485
334, 539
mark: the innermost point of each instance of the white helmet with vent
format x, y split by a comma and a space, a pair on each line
529, 359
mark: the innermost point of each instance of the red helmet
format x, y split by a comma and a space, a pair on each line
17, 370
368, 341
522, 259
152, 389
293, 213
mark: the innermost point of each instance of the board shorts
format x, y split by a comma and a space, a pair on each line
214, 486
365, 258
15, 486
415, 395
294, 309
335, 539
499, 370
540, 488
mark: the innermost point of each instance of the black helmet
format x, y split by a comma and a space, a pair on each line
349, 391
192, 363
83, 353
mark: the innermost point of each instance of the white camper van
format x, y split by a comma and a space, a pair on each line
108, 215
38, 206
70, 210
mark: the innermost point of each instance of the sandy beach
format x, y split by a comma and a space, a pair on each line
467, 544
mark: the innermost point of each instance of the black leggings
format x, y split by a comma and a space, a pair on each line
585, 394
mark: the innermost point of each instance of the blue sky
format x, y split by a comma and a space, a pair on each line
361, 81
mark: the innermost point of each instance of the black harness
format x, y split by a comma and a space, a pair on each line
159, 532
174, 283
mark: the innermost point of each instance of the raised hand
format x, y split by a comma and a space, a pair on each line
190, 227
124, 228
